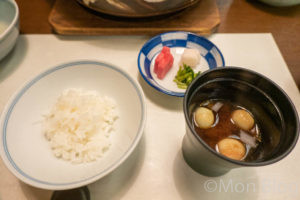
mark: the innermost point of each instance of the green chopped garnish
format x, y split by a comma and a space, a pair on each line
185, 75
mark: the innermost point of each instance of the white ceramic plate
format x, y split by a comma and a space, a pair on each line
27, 153
211, 57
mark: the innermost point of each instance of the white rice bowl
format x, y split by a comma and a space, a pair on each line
24, 148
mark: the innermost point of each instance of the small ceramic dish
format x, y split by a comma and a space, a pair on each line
26, 151
211, 57
9, 26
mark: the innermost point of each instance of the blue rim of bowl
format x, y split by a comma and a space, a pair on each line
6, 115
161, 89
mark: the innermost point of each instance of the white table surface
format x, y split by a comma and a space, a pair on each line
156, 170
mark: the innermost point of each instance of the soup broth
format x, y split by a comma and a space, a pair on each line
233, 131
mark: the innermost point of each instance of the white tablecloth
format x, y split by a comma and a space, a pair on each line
156, 170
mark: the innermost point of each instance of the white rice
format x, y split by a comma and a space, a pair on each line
79, 125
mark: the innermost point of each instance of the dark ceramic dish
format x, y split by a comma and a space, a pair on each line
272, 108
138, 8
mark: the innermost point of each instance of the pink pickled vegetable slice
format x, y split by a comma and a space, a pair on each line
163, 62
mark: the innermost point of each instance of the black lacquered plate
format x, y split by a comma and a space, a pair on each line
137, 8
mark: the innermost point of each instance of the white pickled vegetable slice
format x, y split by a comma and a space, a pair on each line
248, 139
190, 57
217, 106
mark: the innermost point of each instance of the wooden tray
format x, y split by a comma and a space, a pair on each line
69, 18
